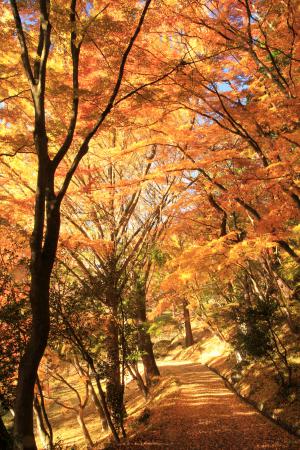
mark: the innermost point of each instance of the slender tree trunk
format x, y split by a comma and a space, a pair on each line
134, 372
44, 435
92, 392
286, 293
44, 413
103, 399
189, 339
114, 389
144, 342
98, 406
85, 431
214, 327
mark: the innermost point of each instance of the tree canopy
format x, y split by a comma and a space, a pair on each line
149, 162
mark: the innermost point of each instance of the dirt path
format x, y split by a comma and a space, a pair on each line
203, 414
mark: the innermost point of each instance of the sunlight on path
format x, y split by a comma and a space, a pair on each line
204, 414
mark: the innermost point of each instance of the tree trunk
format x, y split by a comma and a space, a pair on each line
145, 345
114, 387
286, 294
44, 435
103, 399
44, 413
134, 372
146, 348
85, 431
214, 327
92, 391
42, 260
98, 405
189, 339
24, 437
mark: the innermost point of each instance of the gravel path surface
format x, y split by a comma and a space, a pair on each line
204, 414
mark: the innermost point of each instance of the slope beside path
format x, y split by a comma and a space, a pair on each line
201, 413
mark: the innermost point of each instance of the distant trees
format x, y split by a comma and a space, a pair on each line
243, 302
239, 147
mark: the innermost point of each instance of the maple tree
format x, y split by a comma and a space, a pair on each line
42, 62
242, 137
81, 403
110, 239
241, 142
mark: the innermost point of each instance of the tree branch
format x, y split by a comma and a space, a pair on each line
23, 43
85, 145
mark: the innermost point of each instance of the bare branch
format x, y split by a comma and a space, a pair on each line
3, 100
18, 150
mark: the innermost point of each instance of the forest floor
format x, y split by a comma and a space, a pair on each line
192, 409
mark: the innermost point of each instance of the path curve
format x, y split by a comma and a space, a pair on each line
204, 415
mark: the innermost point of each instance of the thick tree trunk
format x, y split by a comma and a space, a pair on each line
145, 345
24, 437
42, 260
189, 339
146, 348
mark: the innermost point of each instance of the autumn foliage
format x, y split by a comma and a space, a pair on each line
149, 162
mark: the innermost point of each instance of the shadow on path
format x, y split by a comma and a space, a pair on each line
204, 414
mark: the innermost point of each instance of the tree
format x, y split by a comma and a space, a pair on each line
43, 423
189, 339
240, 86
73, 309
75, 26
113, 247
81, 402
